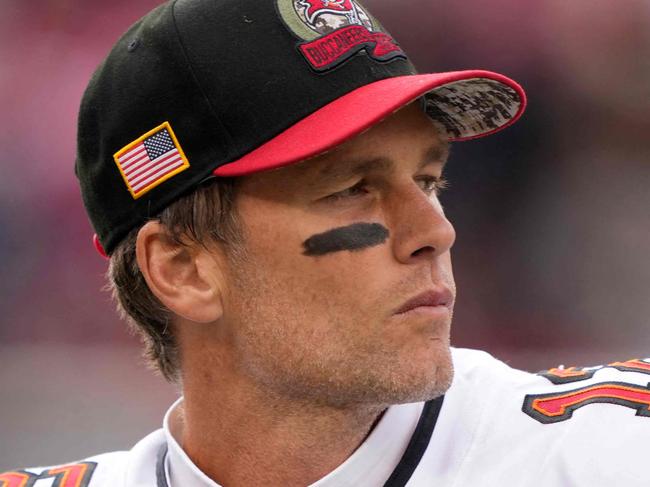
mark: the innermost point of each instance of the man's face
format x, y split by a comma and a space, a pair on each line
333, 246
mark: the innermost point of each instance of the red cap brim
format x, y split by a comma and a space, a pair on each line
362, 108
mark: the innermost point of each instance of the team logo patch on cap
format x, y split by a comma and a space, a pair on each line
151, 160
335, 30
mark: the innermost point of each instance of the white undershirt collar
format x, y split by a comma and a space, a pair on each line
369, 466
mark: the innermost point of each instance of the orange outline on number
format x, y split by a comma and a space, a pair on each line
15, 479
73, 475
79, 469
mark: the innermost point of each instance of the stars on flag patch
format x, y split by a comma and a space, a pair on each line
150, 160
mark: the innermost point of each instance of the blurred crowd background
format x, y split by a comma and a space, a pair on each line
552, 214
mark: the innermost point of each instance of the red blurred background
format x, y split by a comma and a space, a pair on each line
552, 214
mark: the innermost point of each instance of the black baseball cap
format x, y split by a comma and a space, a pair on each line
202, 88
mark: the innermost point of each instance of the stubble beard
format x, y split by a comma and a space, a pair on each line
335, 375
284, 359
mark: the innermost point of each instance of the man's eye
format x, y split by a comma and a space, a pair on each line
432, 184
429, 184
353, 191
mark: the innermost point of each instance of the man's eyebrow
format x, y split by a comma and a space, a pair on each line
437, 154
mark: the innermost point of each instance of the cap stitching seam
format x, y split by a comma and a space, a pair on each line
195, 77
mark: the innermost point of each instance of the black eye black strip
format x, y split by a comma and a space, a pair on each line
353, 237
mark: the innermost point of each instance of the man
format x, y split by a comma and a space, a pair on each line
264, 176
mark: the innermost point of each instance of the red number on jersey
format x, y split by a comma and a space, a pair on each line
576, 374
559, 406
74, 475
17, 479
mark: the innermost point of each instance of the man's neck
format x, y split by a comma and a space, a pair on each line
241, 437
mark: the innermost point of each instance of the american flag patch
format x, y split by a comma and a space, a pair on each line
150, 160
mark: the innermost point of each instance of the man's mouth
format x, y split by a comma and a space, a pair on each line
430, 300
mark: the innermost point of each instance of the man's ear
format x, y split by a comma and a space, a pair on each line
185, 278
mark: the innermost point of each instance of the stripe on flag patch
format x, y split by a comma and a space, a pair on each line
150, 160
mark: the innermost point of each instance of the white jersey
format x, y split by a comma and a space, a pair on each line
496, 426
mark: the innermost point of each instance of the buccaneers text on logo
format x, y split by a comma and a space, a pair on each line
334, 31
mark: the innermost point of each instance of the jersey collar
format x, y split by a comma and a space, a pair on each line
384, 458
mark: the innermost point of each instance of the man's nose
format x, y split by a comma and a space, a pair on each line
419, 225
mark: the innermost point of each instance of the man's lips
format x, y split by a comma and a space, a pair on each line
431, 298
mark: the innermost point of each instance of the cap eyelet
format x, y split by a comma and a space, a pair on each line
133, 45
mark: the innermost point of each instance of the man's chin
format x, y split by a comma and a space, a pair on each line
431, 385
441, 384
390, 378
418, 379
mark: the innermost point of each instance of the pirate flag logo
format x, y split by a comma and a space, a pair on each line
332, 31
324, 15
